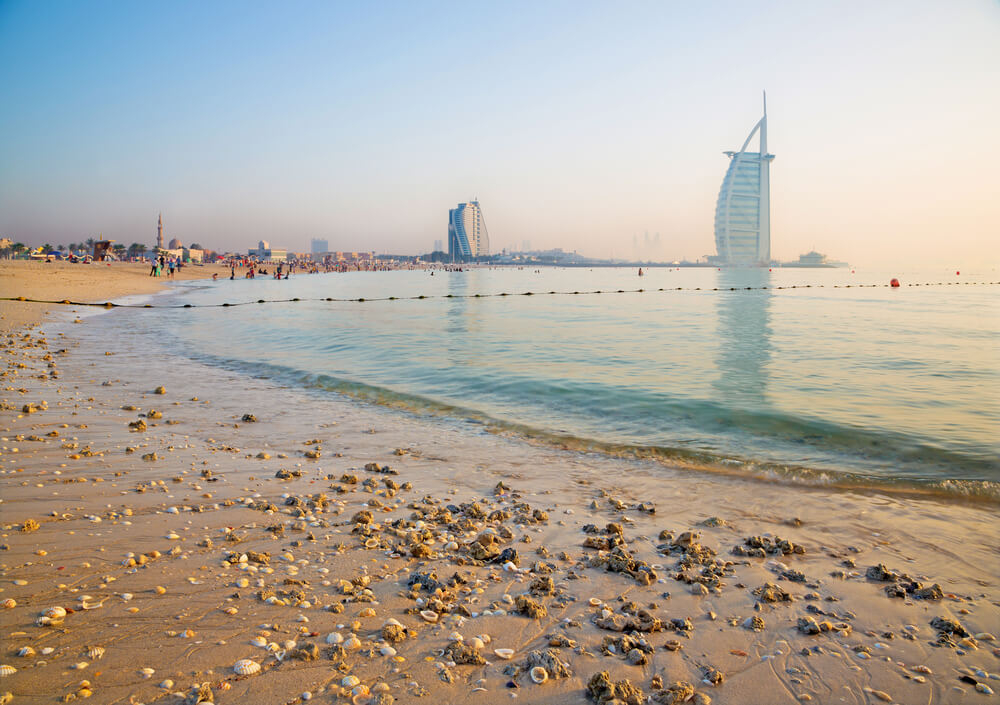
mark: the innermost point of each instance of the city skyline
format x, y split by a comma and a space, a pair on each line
291, 124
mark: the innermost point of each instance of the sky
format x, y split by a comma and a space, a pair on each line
580, 124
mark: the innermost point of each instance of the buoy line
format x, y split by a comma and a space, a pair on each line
422, 297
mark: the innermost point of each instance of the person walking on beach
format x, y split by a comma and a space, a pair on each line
152, 268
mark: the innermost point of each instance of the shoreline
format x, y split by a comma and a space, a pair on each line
96, 282
140, 550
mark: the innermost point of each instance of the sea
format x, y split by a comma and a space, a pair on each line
812, 376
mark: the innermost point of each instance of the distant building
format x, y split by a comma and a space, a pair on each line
467, 235
815, 259
159, 232
175, 244
438, 246
266, 253
319, 246
743, 211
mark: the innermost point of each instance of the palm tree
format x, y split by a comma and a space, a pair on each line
90, 244
18, 248
140, 249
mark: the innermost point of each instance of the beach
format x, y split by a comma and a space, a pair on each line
177, 532
95, 282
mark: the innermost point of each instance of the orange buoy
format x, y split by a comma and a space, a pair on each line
894, 283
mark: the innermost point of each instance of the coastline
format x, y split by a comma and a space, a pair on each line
95, 282
111, 524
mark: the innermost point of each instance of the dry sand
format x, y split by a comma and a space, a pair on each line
96, 282
176, 533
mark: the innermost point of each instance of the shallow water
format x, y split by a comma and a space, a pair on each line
821, 384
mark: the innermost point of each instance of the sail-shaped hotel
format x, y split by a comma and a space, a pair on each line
467, 235
743, 212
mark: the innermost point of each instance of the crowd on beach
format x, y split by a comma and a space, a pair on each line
164, 265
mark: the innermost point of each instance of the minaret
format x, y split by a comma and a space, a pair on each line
159, 232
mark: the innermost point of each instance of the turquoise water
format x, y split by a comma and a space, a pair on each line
830, 385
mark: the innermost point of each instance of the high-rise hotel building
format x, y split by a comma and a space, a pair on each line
467, 236
743, 212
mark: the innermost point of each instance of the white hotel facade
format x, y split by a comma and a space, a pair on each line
743, 211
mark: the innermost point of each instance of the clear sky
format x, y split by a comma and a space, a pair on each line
578, 124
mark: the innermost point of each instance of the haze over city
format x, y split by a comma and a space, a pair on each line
577, 125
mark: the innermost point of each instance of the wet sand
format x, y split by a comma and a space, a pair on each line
180, 529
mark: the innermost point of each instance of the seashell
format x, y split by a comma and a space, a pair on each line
80, 665
273, 647
147, 672
350, 681
246, 667
352, 644
486, 638
451, 546
167, 684
429, 616
259, 641
54, 612
538, 674
505, 654
389, 621
367, 612
9, 603
334, 638
360, 699
289, 645
231, 610
359, 690
47, 650
26, 651
126, 596
594, 602
387, 651
476, 643
6, 670
95, 652
371, 543
455, 636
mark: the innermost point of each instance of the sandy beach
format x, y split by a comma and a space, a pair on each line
95, 282
177, 533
